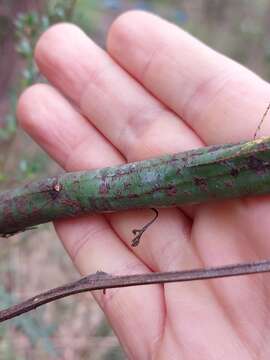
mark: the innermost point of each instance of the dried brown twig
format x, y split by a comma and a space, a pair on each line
101, 280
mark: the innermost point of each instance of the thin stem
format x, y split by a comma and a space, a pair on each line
104, 281
261, 122
136, 240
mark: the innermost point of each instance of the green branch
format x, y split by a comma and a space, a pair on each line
210, 173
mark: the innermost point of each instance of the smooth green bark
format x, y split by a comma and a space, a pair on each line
210, 173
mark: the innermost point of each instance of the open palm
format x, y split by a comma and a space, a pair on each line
157, 90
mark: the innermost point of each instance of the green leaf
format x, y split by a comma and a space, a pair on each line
45, 23
32, 19
24, 48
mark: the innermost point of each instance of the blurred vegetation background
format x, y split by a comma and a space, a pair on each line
31, 262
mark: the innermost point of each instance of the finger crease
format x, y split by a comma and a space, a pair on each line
83, 240
204, 93
157, 50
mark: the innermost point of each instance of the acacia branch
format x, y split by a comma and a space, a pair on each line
196, 176
104, 281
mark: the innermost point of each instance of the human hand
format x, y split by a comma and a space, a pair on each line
157, 90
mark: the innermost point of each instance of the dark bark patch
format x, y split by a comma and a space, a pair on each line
55, 191
171, 191
262, 146
228, 183
99, 205
133, 196
256, 164
104, 188
234, 172
201, 183
127, 185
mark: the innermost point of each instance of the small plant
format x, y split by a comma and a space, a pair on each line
28, 28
